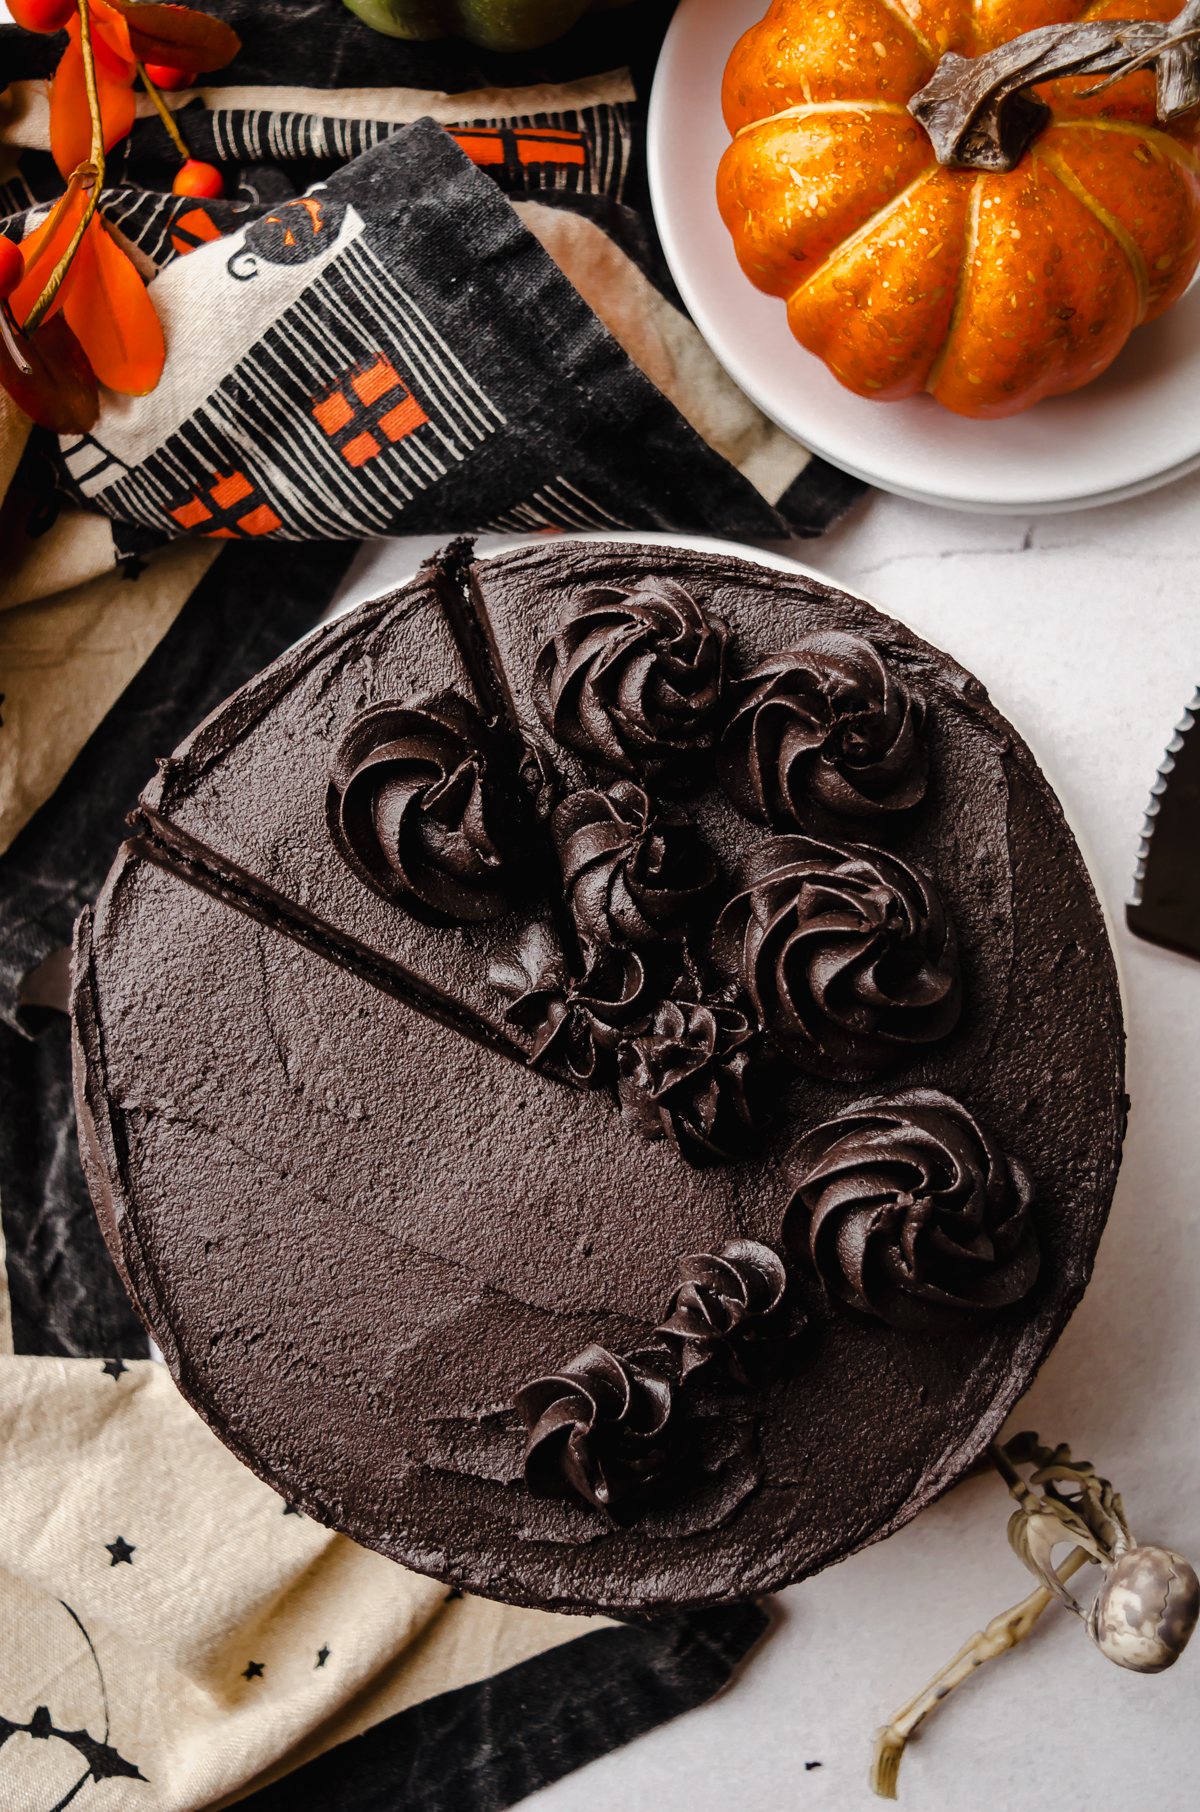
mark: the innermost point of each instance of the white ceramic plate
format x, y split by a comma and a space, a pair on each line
1136, 427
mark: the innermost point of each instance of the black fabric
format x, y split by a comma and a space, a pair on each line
491, 396
818, 497
64, 1293
254, 601
486, 1746
321, 44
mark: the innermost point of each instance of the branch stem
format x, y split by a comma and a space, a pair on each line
164, 113
94, 168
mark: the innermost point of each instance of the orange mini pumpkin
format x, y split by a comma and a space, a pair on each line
990, 290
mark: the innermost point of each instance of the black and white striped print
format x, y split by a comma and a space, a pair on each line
268, 451
262, 136
556, 505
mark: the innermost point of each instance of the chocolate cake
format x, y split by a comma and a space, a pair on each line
602, 1072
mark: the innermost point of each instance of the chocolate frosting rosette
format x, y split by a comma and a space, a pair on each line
907, 1209
633, 681
632, 874
599, 1429
579, 1024
614, 1430
692, 1077
731, 1307
417, 809
846, 953
826, 722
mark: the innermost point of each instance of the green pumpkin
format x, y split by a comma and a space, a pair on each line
493, 24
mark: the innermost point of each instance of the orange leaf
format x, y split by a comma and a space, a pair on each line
41, 252
109, 310
109, 27
70, 122
59, 388
179, 36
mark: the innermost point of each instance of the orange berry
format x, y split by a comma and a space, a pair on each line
12, 267
199, 179
42, 15
163, 76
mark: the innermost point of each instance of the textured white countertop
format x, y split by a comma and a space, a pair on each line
1086, 630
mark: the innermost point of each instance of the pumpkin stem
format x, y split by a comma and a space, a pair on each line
979, 116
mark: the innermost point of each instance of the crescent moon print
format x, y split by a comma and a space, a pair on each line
103, 1762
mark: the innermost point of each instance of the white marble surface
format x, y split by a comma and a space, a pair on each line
1086, 629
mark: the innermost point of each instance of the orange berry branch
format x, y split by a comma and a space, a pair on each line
74, 313
89, 175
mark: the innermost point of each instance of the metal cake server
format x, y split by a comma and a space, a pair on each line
1165, 908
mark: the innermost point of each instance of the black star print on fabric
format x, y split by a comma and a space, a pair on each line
291, 1510
254, 1671
454, 1592
322, 1656
114, 1368
120, 1551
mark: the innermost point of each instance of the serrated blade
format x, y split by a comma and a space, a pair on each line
1165, 908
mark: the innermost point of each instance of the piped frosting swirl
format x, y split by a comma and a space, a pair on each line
631, 874
599, 1430
606, 1427
826, 722
690, 1078
579, 1025
633, 681
730, 1306
416, 807
907, 1209
846, 953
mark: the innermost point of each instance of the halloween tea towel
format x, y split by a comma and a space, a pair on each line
426, 308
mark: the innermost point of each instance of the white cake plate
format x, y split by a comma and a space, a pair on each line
1133, 429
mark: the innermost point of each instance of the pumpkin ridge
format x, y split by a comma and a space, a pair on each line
970, 243
1062, 171
1163, 141
823, 107
919, 39
847, 245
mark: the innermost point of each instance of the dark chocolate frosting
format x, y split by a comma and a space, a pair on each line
606, 1428
730, 1307
599, 1429
846, 953
578, 1025
694, 1077
826, 721
632, 874
416, 808
633, 681
907, 1209
358, 1220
